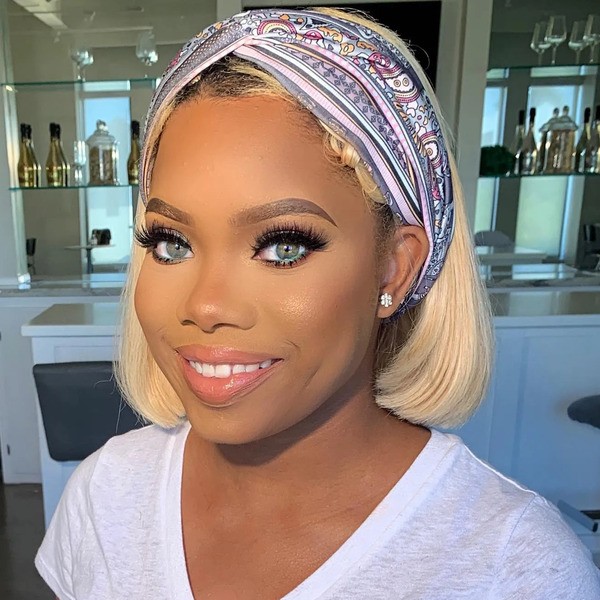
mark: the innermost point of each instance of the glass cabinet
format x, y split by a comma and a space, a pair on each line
64, 221
546, 212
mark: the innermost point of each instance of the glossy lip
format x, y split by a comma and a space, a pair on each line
221, 393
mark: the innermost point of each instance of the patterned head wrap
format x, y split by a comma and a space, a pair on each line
361, 86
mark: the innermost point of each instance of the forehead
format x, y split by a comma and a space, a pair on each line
238, 125
247, 150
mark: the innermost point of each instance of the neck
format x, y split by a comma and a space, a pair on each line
348, 439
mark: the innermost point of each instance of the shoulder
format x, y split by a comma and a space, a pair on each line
491, 494
146, 443
126, 461
544, 558
537, 555
110, 509
465, 478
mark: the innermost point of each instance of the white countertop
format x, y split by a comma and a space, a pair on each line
94, 284
546, 308
538, 277
508, 255
91, 319
514, 309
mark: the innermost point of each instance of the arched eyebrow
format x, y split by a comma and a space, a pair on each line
247, 216
279, 208
156, 205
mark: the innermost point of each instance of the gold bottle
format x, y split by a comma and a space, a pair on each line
56, 175
36, 162
63, 158
133, 171
25, 167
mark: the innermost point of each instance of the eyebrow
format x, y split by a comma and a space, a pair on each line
156, 205
247, 216
278, 208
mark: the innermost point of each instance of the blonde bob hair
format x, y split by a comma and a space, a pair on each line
432, 364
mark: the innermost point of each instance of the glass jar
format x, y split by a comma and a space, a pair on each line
560, 144
103, 156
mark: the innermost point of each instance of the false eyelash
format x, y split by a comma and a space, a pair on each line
279, 233
150, 238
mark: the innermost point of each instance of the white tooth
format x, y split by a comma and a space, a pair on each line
208, 370
223, 371
252, 368
265, 364
197, 367
238, 369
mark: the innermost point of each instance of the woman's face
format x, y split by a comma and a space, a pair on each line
259, 292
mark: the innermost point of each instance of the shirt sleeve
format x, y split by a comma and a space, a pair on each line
66, 533
544, 559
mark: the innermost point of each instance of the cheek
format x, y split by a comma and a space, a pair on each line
328, 305
152, 300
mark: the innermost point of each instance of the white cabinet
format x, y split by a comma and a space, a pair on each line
550, 452
19, 446
18, 417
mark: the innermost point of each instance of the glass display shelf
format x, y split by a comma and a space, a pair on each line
553, 67
84, 84
511, 176
70, 187
571, 70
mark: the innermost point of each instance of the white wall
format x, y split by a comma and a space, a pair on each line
13, 266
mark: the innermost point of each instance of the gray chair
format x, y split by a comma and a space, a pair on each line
81, 408
493, 238
585, 410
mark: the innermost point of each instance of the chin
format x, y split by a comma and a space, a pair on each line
230, 432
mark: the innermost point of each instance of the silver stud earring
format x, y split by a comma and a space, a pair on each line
385, 300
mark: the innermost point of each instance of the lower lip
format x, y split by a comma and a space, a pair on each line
217, 392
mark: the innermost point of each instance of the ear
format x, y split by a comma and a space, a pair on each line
401, 265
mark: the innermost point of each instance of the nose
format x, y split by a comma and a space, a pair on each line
215, 298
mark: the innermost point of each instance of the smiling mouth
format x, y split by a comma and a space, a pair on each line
219, 385
224, 370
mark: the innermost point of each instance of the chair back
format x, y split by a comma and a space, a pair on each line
492, 238
586, 410
81, 407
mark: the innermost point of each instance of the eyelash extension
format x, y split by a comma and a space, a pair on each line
150, 238
293, 233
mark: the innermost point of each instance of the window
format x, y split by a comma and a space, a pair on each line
542, 201
492, 132
110, 208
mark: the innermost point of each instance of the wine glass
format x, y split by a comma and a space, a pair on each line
146, 48
592, 34
576, 41
556, 34
538, 42
82, 56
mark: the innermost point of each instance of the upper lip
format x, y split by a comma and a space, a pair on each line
222, 355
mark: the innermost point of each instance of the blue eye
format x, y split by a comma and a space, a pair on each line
171, 251
168, 245
285, 246
283, 253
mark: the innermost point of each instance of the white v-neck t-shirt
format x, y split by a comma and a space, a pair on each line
451, 528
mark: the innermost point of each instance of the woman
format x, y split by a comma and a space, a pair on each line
291, 333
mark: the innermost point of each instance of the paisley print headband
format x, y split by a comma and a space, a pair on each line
361, 86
